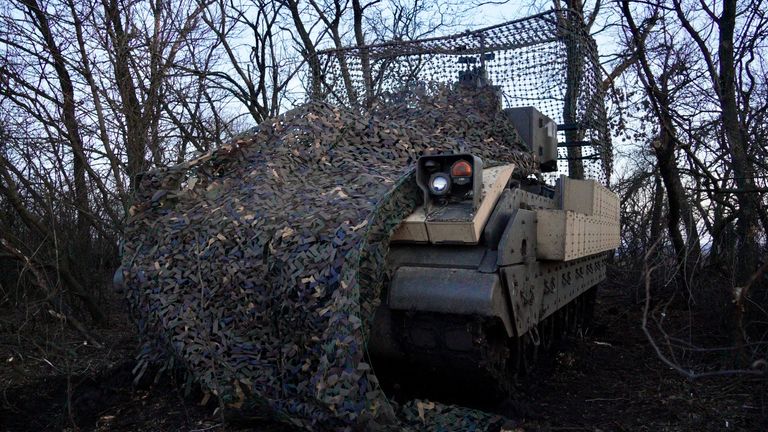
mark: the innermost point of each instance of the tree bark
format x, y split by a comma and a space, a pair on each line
657, 88
657, 211
746, 225
135, 134
574, 74
357, 10
69, 118
308, 47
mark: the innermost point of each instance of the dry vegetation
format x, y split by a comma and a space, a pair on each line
94, 93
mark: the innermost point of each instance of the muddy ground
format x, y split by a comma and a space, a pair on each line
608, 379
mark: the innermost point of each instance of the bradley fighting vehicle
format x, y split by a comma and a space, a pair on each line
492, 268
271, 272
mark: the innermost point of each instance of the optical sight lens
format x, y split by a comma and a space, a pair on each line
439, 184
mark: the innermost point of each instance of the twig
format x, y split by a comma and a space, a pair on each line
604, 399
39, 280
217, 425
742, 291
646, 308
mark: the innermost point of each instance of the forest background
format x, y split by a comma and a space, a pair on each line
95, 92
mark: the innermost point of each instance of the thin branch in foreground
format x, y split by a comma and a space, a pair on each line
39, 280
648, 270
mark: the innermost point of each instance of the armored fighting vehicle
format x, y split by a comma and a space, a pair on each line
398, 223
493, 265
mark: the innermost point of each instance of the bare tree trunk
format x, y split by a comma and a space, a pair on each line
9, 190
689, 249
308, 47
676, 199
657, 211
574, 74
332, 25
69, 118
135, 135
658, 91
365, 61
743, 170
87, 72
735, 143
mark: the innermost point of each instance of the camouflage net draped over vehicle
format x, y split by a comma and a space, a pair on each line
258, 266
548, 61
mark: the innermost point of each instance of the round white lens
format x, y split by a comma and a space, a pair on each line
439, 184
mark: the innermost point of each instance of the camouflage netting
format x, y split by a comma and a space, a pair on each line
258, 266
548, 61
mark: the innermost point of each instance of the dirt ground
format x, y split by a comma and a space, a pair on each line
606, 380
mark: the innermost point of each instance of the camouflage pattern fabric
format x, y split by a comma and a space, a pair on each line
258, 266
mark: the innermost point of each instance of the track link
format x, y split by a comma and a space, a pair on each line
466, 359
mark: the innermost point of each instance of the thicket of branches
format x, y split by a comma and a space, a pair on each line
94, 92
692, 108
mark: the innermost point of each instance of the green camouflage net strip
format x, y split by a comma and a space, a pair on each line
258, 266
548, 61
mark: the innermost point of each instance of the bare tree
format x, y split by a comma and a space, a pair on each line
255, 67
661, 89
86, 103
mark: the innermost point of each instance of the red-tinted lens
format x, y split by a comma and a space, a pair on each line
461, 169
